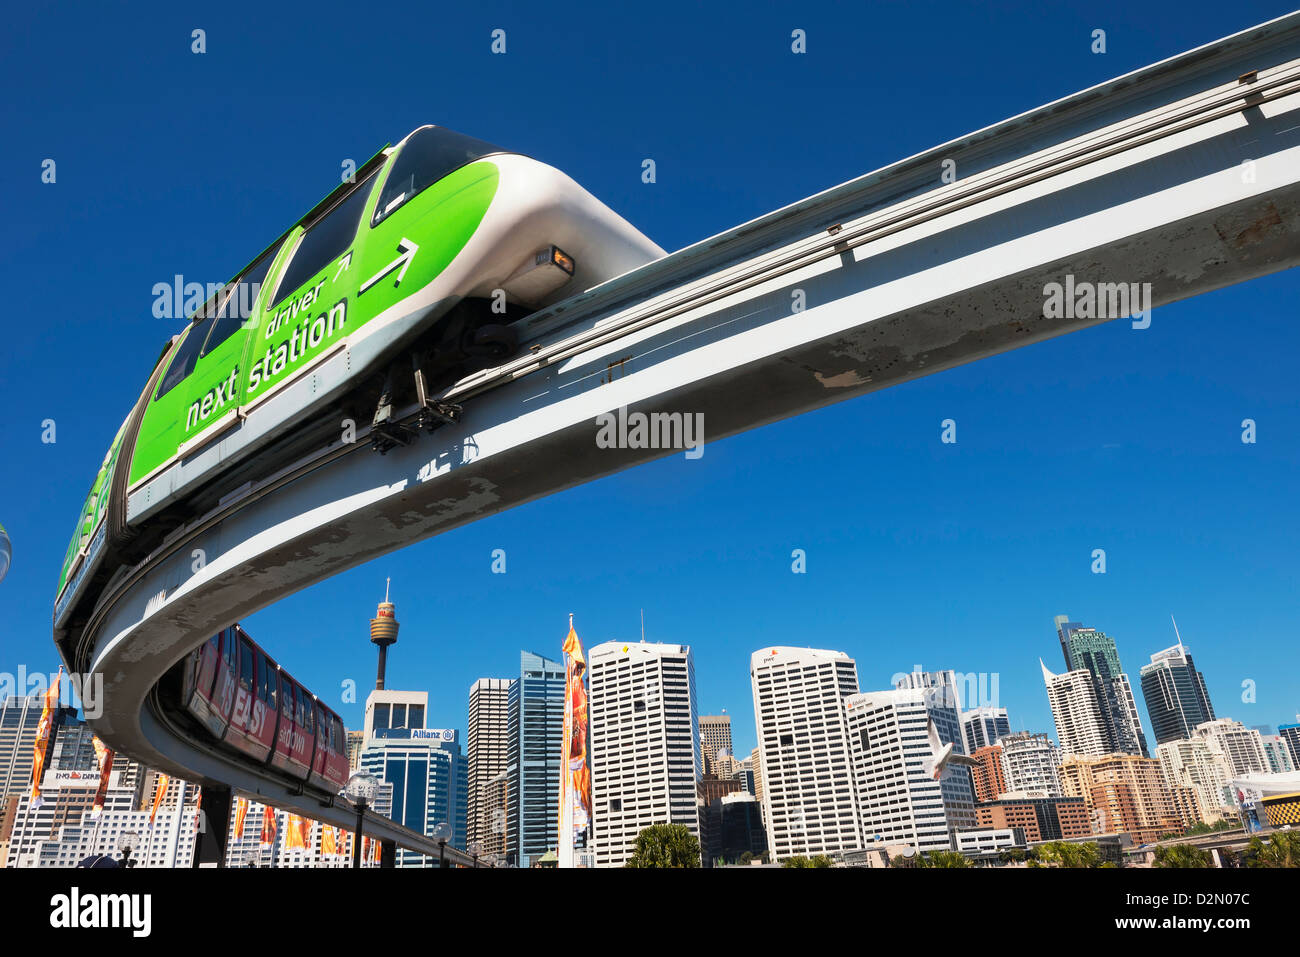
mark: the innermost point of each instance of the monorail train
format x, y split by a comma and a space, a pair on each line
247, 703
400, 282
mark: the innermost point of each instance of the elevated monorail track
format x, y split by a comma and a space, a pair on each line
1184, 175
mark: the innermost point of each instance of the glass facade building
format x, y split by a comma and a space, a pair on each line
1175, 694
536, 727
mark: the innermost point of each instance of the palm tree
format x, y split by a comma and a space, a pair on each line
1182, 855
1280, 850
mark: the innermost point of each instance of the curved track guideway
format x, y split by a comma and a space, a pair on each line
1136, 181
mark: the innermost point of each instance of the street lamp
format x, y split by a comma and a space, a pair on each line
474, 850
125, 844
360, 791
442, 834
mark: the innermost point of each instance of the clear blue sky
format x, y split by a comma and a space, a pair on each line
950, 557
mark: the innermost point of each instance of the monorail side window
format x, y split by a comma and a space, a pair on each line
237, 306
306, 717
246, 665
428, 156
267, 679
324, 241
228, 647
187, 353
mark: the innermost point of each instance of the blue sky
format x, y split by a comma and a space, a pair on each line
918, 553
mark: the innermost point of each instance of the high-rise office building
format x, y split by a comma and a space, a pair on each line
1241, 747
645, 750
715, 738
1080, 724
488, 743
898, 799
1191, 763
1087, 649
799, 714
535, 704
1125, 794
943, 701
983, 726
425, 767
1030, 764
1175, 694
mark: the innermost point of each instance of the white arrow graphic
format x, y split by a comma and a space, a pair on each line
408, 250
344, 263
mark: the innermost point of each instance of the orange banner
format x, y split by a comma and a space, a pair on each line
163, 781
104, 756
241, 812
44, 737
294, 833
328, 841
575, 774
268, 825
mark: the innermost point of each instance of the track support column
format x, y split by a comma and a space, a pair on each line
214, 825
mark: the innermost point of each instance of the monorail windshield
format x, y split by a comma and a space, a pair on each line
429, 155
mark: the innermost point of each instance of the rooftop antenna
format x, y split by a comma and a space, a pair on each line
643, 626
1178, 636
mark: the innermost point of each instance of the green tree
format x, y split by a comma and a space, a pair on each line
944, 859
1182, 855
666, 845
1278, 850
821, 860
1066, 854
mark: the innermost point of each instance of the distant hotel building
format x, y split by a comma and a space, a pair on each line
803, 745
1193, 765
1080, 724
1278, 754
1041, 818
1030, 763
898, 799
645, 751
488, 752
1290, 733
989, 778
1175, 694
1125, 794
1242, 747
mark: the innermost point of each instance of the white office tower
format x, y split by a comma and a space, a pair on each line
489, 749
899, 799
983, 726
1080, 725
1193, 764
943, 702
1031, 763
1241, 746
645, 751
804, 751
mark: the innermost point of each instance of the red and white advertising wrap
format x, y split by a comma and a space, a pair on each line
575, 774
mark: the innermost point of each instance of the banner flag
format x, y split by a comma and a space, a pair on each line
44, 738
575, 774
268, 825
163, 781
104, 756
241, 811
